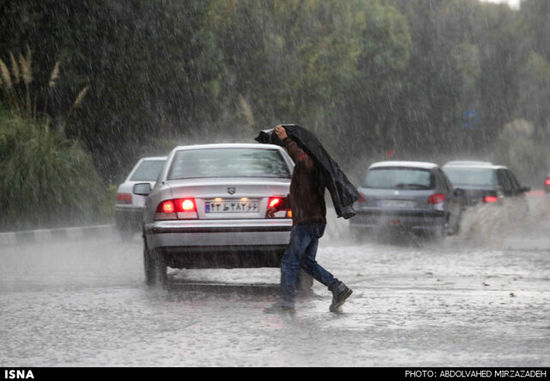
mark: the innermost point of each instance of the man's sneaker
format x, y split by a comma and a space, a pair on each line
278, 308
339, 295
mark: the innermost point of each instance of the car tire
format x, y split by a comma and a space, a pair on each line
304, 282
154, 265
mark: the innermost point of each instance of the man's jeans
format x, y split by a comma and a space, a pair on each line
301, 251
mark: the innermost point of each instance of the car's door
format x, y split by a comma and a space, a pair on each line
452, 202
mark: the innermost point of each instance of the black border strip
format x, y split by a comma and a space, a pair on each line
398, 373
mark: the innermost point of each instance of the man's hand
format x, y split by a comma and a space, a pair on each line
281, 132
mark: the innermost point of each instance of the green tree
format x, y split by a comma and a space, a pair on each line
148, 64
534, 76
289, 61
367, 108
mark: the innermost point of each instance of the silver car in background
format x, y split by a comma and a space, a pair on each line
129, 206
208, 209
410, 195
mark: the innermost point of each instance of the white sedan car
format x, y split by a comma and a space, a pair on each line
129, 206
208, 209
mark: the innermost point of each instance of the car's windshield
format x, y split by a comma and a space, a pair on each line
471, 176
228, 162
148, 170
399, 178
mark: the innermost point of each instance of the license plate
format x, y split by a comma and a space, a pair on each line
396, 203
231, 206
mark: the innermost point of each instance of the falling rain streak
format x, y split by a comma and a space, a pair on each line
89, 87
111, 82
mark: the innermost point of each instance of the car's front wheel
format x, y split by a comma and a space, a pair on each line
154, 264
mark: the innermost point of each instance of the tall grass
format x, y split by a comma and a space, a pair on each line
46, 179
16, 88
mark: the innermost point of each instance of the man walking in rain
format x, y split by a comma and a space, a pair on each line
307, 202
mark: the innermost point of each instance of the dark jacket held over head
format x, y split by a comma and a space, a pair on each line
307, 195
326, 173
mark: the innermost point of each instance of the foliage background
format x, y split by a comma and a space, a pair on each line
410, 79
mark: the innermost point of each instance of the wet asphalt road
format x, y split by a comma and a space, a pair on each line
478, 299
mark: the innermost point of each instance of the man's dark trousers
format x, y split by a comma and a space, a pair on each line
301, 252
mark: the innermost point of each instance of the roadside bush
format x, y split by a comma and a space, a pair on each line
46, 179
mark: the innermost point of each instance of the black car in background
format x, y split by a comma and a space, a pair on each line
486, 183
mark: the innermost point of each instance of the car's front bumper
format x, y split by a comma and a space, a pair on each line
414, 220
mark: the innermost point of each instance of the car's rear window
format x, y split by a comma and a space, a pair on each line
228, 162
399, 178
148, 170
471, 176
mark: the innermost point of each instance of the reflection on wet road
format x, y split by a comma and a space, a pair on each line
472, 300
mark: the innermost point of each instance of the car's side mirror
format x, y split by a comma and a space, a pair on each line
142, 189
459, 192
